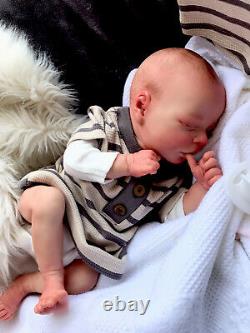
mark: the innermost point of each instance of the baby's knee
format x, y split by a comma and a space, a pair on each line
40, 200
80, 278
24, 205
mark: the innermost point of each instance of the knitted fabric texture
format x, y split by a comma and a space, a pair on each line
225, 23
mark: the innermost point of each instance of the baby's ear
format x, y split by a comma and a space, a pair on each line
142, 101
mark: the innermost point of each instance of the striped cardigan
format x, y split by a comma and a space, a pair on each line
103, 218
224, 22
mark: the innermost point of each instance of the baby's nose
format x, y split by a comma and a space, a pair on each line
201, 139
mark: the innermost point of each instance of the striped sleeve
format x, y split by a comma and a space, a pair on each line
224, 22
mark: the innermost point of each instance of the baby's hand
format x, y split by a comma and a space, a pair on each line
142, 163
207, 171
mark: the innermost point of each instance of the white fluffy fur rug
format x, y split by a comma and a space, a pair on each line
36, 121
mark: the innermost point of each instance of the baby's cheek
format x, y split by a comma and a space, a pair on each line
185, 138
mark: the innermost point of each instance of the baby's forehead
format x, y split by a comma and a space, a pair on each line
173, 69
178, 63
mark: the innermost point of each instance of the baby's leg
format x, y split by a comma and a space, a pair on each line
43, 207
17, 290
79, 278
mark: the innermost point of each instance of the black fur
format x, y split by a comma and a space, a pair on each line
95, 43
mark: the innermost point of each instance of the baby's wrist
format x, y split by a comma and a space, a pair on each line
119, 167
201, 187
129, 164
193, 197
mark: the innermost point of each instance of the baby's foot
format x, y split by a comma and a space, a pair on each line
49, 300
11, 298
53, 292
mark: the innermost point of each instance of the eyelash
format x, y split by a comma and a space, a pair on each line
191, 129
188, 127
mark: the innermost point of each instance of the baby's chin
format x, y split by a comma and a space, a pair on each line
178, 159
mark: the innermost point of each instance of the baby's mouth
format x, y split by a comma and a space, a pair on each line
182, 156
186, 153
191, 152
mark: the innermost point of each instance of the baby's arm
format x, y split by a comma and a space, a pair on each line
206, 172
83, 160
136, 164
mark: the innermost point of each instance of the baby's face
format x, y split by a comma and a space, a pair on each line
180, 121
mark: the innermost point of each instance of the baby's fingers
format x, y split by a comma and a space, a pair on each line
209, 164
207, 155
195, 168
212, 172
152, 167
150, 154
214, 180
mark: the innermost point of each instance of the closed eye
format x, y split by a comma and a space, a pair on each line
187, 126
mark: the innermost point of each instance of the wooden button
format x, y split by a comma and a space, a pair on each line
120, 209
139, 191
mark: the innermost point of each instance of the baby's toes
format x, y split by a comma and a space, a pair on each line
3, 312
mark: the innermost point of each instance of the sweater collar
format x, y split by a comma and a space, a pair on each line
126, 130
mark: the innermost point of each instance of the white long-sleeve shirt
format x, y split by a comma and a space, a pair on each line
83, 160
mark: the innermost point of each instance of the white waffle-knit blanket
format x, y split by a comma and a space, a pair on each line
190, 274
